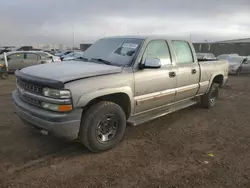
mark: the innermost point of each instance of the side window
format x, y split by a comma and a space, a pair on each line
158, 49
31, 56
183, 52
15, 57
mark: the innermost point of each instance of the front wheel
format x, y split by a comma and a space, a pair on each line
209, 99
103, 126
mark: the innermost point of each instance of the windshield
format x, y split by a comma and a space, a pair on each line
117, 51
237, 60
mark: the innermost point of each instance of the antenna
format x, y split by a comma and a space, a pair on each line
73, 36
73, 48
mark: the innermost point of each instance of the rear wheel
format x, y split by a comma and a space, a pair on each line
103, 126
209, 99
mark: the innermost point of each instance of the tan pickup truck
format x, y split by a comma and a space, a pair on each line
120, 81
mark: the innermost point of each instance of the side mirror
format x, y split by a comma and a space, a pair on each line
152, 63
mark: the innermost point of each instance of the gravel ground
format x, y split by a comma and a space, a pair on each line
194, 147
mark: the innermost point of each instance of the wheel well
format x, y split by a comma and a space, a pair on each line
218, 79
121, 99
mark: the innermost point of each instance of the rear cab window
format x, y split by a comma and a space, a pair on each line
183, 52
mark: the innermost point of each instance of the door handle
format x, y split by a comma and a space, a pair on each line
194, 71
172, 74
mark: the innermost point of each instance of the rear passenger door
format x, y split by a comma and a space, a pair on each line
188, 70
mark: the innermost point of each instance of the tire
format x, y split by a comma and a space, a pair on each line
208, 100
238, 72
92, 131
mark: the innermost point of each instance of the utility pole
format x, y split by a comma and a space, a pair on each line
73, 36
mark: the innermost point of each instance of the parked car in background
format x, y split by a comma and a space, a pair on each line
205, 56
239, 65
22, 48
21, 59
2, 50
226, 56
72, 56
48, 55
6, 49
121, 79
60, 54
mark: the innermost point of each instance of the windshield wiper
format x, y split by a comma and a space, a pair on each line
101, 60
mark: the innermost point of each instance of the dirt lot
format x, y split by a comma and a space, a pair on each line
169, 152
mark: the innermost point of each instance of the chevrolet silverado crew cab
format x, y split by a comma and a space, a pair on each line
125, 80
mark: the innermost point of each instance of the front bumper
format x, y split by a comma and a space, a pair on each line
65, 125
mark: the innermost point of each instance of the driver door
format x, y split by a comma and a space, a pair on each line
155, 87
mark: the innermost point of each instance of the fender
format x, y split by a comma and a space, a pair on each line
212, 78
87, 97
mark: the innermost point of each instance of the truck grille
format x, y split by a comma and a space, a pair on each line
21, 85
29, 87
30, 100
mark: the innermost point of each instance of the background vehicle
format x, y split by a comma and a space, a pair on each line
60, 54
6, 49
72, 56
226, 56
238, 65
133, 79
205, 56
49, 56
21, 59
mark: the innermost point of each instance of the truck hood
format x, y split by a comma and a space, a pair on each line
70, 70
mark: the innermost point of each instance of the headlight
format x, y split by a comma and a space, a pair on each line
57, 107
56, 93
